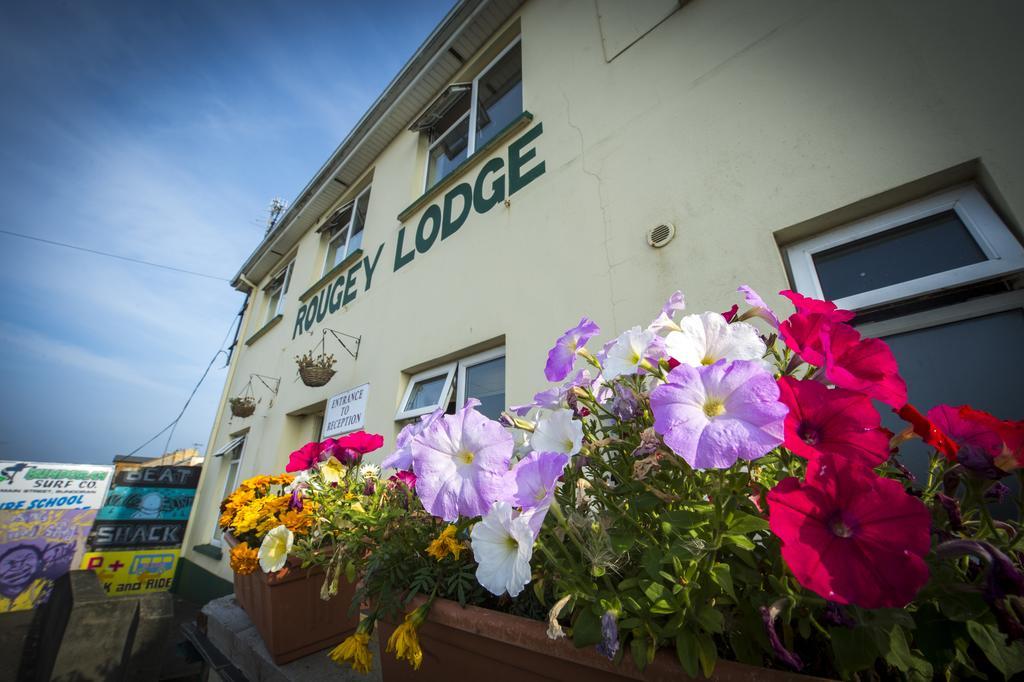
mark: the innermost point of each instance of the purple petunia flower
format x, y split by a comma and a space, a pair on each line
758, 307
460, 462
609, 644
768, 616
401, 458
531, 482
562, 356
665, 321
715, 414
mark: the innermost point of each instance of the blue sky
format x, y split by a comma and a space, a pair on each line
159, 131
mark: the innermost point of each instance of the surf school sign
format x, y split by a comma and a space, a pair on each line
496, 180
34, 485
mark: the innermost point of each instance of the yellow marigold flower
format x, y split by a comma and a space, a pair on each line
406, 643
244, 559
355, 651
445, 544
297, 522
249, 516
225, 519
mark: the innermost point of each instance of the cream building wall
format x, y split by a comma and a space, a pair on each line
746, 124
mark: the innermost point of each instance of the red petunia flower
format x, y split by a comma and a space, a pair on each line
835, 420
304, 458
350, 449
928, 431
851, 536
802, 330
865, 365
1011, 433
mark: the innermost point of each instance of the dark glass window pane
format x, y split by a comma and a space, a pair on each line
486, 383
924, 247
448, 153
499, 96
971, 362
426, 393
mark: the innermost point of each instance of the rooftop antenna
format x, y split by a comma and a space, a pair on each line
276, 209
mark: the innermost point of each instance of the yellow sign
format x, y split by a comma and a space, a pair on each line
133, 571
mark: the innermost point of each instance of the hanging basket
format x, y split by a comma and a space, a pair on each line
315, 376
243, 406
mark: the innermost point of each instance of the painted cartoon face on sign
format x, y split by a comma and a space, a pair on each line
18, 567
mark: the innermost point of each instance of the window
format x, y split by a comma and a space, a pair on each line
467, 115
933, 279
448, 386
946, 240
232, 454
276, 291
345, 230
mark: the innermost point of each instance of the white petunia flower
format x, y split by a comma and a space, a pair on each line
557, 431
274, 551
706, 338
666, 318
628, 351
299, 482
502, 546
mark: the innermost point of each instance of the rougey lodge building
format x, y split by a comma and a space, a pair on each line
538, 161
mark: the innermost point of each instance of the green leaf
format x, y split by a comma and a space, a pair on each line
707, 654
586, 631
900, 656
710, 618
741, 541
854, 648
722, 576
622, 542
742, 522
652, 561
1009, 660
653, 590
962, 606
638, 647
687, 649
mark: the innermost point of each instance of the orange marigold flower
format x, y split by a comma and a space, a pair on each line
445, 544
296, 522
244, 559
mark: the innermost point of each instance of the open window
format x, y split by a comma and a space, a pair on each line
466, 115
276, 291
344, 230
232, 459
449, 386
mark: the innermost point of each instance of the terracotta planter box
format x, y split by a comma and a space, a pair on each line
476, 643
288, 612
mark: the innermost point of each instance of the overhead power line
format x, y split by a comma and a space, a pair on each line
191, 395
114, 255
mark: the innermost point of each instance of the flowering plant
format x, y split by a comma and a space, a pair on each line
722, 490
259, 514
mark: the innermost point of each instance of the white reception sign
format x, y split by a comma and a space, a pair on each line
346, 411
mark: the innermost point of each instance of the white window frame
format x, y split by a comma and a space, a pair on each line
471, 361
1004, 253
447, 370
347, 229
278, 309
472, 113
947, 314
230, 480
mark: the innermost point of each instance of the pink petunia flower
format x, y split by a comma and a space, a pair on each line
834, 420
977, 435
802, 330
350, 448
713, 415
851, 536
461, 461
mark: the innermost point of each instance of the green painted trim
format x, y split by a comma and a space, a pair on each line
197, 585
518, 122
264, 329
331, 274
212, 551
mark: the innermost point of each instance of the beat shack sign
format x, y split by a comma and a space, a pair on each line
496, 180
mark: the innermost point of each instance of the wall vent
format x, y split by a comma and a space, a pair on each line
661, 235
